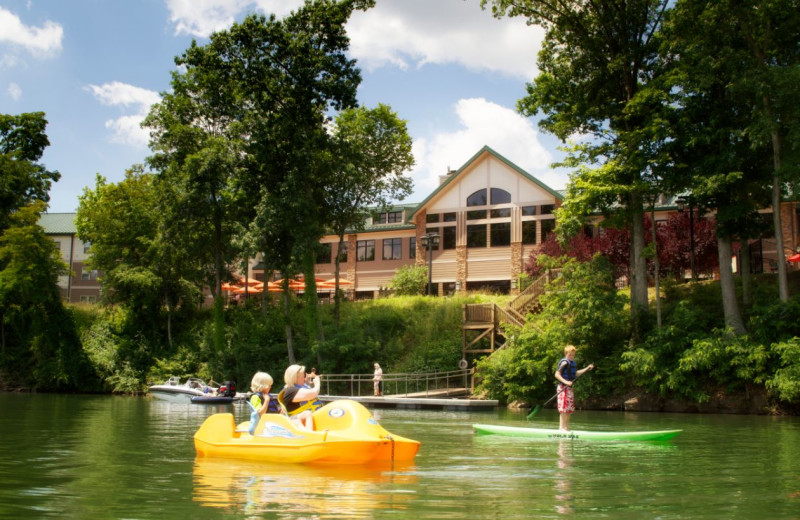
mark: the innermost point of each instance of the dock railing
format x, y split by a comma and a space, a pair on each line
401, 384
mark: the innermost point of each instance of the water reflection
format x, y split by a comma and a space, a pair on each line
563, 484
302, 490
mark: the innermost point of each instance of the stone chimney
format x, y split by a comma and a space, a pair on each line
443, 178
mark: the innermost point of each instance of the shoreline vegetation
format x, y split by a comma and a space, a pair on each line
691, 364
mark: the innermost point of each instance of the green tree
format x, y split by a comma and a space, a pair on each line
410, 280
196, 136
284, 77
38, 341
727, 169
22, 179
771, 31
374, 152
582, 307
144, 270
598, 67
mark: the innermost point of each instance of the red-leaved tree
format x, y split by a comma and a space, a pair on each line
673, 241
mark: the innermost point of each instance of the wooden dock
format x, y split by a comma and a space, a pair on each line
419, 403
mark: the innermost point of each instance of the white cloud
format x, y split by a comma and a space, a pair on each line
399, 33
41, 42
14, 91
202, 17
482, 124
404, 33
126, 129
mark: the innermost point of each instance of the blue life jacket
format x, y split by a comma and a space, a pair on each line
570, 371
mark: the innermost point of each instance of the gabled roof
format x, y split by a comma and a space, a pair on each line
58, 223
486, 149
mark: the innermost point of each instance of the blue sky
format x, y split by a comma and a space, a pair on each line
95, 67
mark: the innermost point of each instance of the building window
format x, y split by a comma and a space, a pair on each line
500, 196
449, 217
548, 226
412, 247
58, 244
86, 246
501, 234
449, 237
476, 214
343, 252
392, 248
477, 199
324, 253
547, 209
365, 251
90, 274
500, 213
528, 231
432, 217
476, 236
87, 299
528, 211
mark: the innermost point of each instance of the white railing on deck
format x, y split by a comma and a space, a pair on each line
418, 384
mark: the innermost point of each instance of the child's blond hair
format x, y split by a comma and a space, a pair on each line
260, 382
569, 348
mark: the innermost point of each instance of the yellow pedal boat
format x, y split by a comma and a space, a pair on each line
344, 433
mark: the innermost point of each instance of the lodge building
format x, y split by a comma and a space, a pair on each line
479, 227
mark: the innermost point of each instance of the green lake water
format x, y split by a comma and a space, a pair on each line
65, 456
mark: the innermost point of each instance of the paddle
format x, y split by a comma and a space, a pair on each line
539, 406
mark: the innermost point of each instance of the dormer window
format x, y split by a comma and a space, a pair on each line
389, 217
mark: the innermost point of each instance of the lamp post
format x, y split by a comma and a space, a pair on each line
430, 241
683, 202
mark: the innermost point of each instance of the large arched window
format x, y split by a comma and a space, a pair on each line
500, 196
477, 199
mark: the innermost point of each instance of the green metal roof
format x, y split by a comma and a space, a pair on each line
58, 223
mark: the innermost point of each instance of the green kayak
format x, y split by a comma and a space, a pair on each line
550, 434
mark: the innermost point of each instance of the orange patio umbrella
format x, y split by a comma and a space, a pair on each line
229, 287
342, 282
249, 290
248, 281
294, 284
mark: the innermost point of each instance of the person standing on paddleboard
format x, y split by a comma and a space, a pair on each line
566, 374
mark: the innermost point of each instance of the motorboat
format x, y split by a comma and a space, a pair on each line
174, 391
345, 432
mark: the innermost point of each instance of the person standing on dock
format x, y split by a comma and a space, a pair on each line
566, 374
377, 380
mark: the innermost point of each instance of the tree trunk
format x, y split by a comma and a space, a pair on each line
733, 318
169, 322
744, 272
219, 319
783, 280
286, 316
655, 269
313, 317
336, 298
639, 299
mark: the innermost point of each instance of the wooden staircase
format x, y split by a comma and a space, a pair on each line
486, 320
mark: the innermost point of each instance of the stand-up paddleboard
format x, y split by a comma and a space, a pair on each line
551, 434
